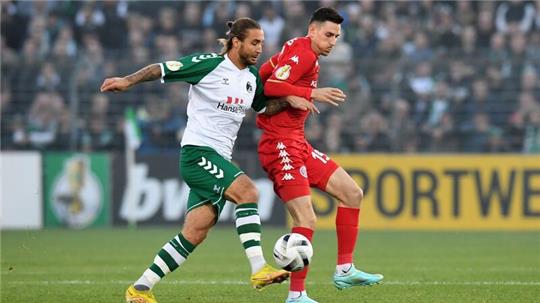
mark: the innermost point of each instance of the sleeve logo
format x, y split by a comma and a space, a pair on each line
283, 72
173, 65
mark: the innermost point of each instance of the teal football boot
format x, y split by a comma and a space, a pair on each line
355, 277
301, 299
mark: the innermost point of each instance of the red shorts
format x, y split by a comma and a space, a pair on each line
294, 166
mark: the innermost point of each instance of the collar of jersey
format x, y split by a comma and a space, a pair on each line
229, 62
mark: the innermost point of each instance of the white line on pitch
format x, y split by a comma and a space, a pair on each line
237, 282
101, 271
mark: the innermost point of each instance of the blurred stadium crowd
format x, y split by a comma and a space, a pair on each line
421, 76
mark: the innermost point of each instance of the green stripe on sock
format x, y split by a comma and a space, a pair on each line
179, 248
249, 228
187, 245
246, 213
251, 243
246, 205
157, 270
246, 210
164, 255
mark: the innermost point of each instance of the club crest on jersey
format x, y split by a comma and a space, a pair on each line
303, 171
249, 87
283, 72
173, 65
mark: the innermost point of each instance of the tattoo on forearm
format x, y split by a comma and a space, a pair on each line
148, 73
275, 106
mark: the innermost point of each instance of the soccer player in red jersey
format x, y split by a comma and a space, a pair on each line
294, 165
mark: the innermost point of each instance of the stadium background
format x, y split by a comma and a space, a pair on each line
441, 128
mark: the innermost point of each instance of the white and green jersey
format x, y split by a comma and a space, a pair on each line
219, 96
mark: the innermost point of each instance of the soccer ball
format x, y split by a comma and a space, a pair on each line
293, 252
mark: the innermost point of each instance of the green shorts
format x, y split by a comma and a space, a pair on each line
208, 176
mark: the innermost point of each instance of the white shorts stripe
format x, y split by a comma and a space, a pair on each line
250, 236
248, 220
174, 254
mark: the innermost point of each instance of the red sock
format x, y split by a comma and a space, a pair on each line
298, 278
347, 232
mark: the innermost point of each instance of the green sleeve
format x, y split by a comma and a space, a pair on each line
190, 69
259, 101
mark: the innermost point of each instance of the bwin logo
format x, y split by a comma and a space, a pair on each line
147, 198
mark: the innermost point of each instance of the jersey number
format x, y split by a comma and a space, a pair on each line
199, 58
318, 155
290, 42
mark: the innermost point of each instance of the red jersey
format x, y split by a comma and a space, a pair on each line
293, 71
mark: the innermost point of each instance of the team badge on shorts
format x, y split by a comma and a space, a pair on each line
303, 171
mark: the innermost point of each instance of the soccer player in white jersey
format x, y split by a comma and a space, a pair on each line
223, 87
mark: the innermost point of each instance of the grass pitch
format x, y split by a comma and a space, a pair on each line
98, 265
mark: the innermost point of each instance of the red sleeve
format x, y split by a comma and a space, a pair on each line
268, 67
283, 89
289, 69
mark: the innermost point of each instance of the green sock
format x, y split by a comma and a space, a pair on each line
169, 257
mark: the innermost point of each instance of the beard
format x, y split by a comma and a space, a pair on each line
247, 59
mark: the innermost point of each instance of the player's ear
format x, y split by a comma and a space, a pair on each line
236, 42
312, 28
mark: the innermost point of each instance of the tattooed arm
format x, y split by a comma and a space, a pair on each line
275, 106
119, 84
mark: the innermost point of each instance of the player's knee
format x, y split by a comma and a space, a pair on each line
252, 194
354, 197
249, 194
308, 220
359, 195
242, 191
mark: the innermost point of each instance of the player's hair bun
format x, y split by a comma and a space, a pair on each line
229, 25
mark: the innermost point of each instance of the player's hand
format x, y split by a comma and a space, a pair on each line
115, 84
329, 95
301, 104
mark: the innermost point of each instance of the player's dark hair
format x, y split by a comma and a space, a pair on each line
326, 14
237, 28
